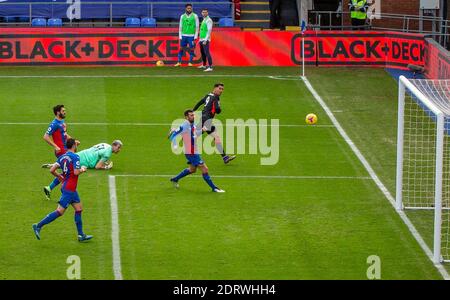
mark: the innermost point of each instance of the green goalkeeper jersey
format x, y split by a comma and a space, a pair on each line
90, 157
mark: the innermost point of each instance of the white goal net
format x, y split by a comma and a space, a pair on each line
423, 154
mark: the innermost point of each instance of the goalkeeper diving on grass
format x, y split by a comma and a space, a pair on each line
97, 157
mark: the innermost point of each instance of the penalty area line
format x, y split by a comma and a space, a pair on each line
158, 124
375, 178
117, 266
252, 176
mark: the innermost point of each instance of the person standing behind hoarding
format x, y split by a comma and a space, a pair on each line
188, 33
205, 41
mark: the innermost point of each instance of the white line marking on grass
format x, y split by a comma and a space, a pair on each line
155, 124
152, 76
375, 178
252, 176
117, 268
282, 77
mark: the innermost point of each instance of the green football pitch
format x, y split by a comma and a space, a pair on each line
316, 214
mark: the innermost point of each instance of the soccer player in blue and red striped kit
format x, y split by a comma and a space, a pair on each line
69, 163
56, 136
189, 132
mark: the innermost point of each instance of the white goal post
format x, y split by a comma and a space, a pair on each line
423, 155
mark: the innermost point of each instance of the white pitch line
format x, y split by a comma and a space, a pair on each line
376, 179
281, 77
156, 124
117, 267
253, 176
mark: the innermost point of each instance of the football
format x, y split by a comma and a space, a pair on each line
311, 119
159, 63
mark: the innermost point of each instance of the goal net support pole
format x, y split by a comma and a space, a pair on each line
420, 116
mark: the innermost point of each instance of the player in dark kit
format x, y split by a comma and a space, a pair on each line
211, 107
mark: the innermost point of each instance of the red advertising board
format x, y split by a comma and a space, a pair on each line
385, 49
437, 61
229, 47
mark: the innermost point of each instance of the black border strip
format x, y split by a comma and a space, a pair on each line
137, 63
361, 63
92, 63
75, 35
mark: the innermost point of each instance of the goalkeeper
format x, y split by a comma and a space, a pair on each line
97, 157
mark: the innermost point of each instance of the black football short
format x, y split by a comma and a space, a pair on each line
213, 128
210, 128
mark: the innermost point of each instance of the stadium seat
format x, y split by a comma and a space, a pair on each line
38, 22
148, 22
132, 22
54, 22
226, 22
100, 9
10, 19
24, 19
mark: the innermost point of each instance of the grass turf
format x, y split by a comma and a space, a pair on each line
260, 229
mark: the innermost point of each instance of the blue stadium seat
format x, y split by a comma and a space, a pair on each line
132, 22
24, 19
10, 19
100, 9
226, 22
54, 22
38, 22
148, 22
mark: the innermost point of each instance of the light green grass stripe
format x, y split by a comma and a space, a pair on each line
254, 176
276, 76
162, 124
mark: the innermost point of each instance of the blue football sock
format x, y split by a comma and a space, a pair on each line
78, 222
54, 183
183, 173
209, 181
180, 54
49, 218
